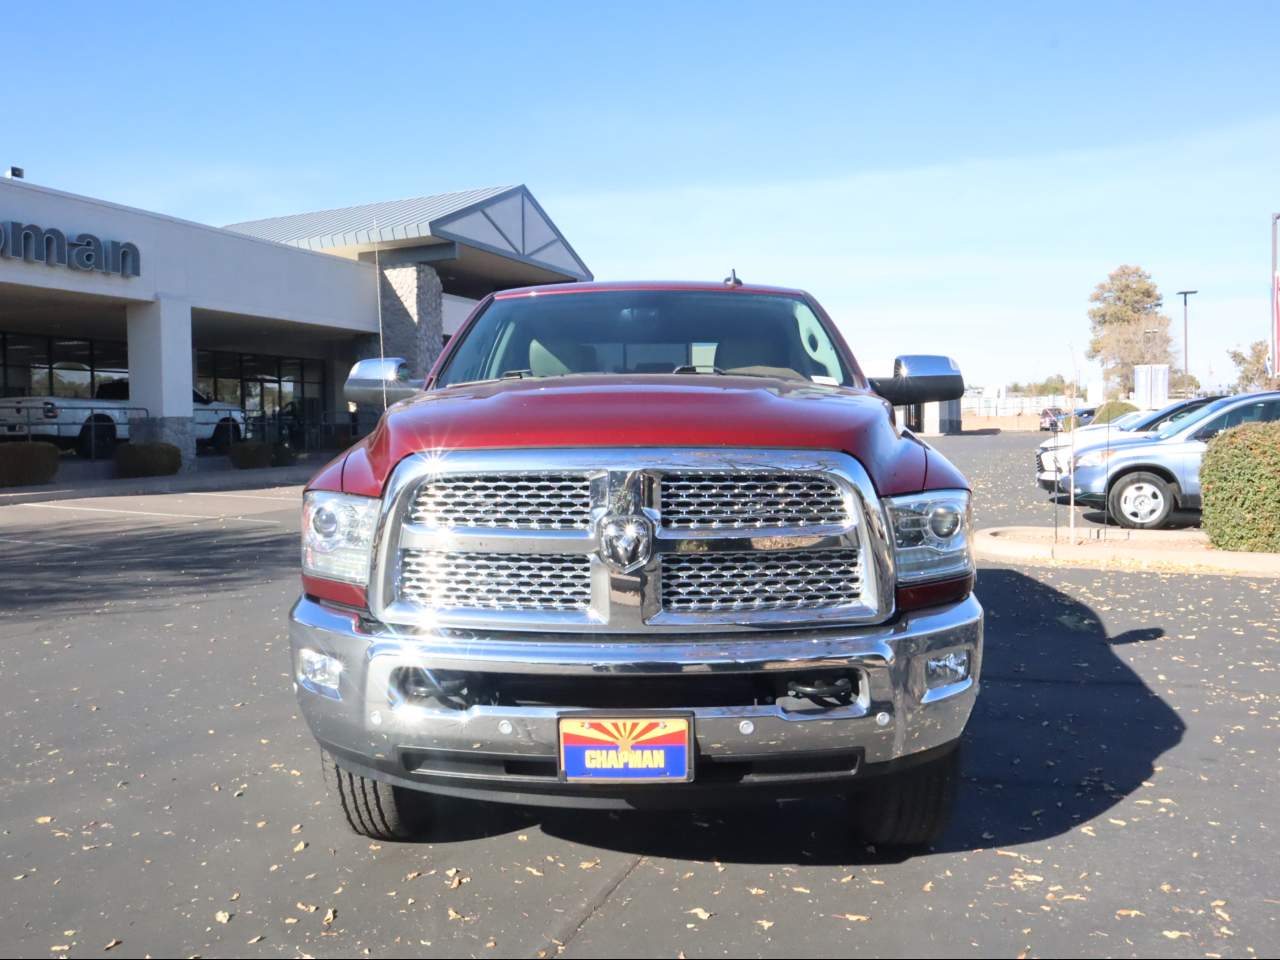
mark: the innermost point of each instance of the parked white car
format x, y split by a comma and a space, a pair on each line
1053, 457
93, 427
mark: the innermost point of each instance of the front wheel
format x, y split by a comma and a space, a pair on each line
908, 809
1141, 501
374, 809
97, 440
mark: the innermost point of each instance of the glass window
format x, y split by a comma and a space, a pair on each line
313, 371
648, 332
27, 366
291, 369
110, 364
226, 390
204, 364
72, 368
226, 366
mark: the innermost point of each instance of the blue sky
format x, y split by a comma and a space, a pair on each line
943, 177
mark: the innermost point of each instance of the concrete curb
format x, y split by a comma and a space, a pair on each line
207, 482
1113, 548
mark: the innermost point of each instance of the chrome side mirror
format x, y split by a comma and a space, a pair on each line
370, 381
920, 378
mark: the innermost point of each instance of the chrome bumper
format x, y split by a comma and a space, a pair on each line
368, 723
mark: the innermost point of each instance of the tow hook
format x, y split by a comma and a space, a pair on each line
825, 693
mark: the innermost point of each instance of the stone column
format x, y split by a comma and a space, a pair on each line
160, 374
412, 315
412, 324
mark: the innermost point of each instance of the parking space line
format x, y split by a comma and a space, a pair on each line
38, 543
147, 513
247, 496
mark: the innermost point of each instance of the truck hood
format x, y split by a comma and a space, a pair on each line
645, 411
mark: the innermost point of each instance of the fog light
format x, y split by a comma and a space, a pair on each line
950, 668
316, 669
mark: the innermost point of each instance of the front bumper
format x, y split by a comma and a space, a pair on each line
509, 752
1089, 484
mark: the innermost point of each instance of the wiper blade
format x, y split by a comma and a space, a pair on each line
516, 374
694, 368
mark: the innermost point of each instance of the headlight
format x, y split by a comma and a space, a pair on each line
337, 535
1094, 458
931, 535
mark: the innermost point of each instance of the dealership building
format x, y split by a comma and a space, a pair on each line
266, 314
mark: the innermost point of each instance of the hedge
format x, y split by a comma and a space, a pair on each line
26, 464
255, 455
1240, 487
147, 459
250, 455
1113, 410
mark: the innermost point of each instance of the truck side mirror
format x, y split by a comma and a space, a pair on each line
370, 381
920, 378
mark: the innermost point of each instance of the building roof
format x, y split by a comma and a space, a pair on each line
505, 221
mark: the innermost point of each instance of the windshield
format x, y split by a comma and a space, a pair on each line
1173, 412
1181, 423
647, 332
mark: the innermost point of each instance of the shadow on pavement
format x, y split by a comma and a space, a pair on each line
1063, 731
60, 574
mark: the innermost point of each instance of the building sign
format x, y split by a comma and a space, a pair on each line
53, 248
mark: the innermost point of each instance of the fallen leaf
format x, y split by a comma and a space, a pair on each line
853, 917
699, 913
329, 916
222, 916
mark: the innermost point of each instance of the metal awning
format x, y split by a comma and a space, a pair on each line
505, 222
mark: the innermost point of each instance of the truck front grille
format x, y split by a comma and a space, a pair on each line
515, 540
496, 581
732, 582
541, 501
711, 501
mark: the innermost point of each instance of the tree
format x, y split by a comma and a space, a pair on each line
1128, 327
1183, 384
1054, 385
1251, 368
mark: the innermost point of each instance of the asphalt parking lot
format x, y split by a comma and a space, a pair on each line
1119, 794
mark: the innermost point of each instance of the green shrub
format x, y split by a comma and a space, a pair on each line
283, 455
1240, 486
1112, 410
250, 455
136, 459
26, 464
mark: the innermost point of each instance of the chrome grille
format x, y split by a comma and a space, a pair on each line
732, 500
545, 501
513, 582
738, 582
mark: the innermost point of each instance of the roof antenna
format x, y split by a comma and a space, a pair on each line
732, 279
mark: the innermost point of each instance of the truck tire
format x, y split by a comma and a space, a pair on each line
225, 434
908, 809
374, 809
1141, 501
97, 440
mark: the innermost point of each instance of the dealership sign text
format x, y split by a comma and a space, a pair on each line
83, 251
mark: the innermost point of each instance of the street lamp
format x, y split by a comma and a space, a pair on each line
1186, 363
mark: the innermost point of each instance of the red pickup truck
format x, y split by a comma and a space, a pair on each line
634, 545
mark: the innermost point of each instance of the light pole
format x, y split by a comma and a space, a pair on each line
1186, 364
1273, 320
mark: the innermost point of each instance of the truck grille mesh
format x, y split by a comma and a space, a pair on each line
522, 501
735, 582
716, 501
496, 581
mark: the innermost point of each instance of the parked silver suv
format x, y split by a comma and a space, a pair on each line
1141, 480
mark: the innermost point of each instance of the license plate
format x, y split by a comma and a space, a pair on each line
622, 749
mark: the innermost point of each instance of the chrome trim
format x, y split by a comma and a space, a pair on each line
371, 719
624, 481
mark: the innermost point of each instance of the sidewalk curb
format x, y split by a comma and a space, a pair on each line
1165, 552
210, 482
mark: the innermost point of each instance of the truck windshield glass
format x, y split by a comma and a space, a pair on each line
647, 332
